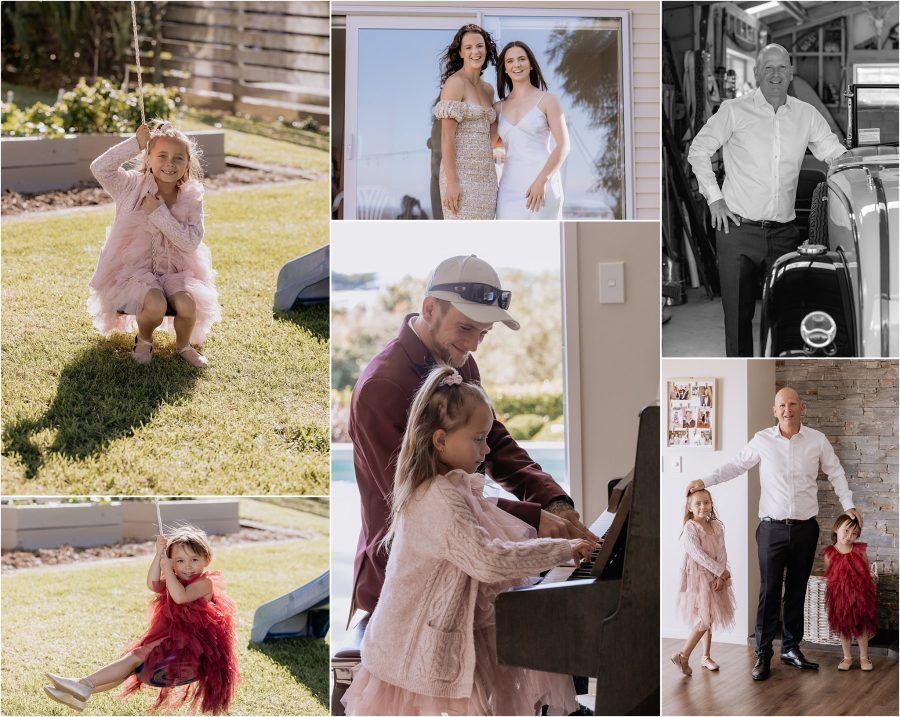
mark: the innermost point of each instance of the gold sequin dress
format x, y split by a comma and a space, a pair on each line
474, 161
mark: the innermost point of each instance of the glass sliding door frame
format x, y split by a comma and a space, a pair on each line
411, 18
392, 21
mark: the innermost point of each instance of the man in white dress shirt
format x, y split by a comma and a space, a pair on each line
764, 136
789, 457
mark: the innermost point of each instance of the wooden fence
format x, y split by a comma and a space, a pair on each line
265, 59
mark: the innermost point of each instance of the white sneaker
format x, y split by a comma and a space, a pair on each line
64, 698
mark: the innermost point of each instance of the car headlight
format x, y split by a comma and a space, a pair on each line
818, 329
807, 249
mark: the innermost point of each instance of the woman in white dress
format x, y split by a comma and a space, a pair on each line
528, 116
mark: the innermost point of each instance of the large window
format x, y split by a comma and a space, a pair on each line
390, 154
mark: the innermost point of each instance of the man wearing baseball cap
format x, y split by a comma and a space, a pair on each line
463, 300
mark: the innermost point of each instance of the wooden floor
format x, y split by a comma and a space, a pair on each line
789, 691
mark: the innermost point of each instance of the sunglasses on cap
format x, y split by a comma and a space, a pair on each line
478, 293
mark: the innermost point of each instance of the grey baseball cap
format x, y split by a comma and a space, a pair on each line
469, 270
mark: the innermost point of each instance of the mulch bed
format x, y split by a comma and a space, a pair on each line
13, 560
89, 194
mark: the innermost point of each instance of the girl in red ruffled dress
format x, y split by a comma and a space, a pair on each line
188, 650
850, 594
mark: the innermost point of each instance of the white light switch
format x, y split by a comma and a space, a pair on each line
612, 283
676, 464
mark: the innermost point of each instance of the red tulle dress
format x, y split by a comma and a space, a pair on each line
188, 650
850, 593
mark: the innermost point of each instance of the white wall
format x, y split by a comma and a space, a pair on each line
618, 350
743, 406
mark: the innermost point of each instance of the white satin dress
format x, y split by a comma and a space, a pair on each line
527, 146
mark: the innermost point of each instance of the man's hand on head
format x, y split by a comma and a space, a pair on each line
694, 486
854, 513
720, 214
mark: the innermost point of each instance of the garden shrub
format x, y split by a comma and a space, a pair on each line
524, 426
98, 108
542, 404
548, 434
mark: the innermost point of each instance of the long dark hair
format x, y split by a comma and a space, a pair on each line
451, 61
504, 81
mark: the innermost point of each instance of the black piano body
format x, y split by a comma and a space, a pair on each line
605, 625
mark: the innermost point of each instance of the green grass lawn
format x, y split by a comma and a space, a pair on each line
73, 620
294, 513
267, 142
80, 417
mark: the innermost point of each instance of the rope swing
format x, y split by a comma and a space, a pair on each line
137, 57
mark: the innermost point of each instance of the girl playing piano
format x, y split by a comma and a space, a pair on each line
706, 598
430, 644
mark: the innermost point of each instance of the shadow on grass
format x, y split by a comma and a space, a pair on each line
313, 319
101, 396
307, 658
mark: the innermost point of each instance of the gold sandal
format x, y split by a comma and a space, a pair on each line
845, 664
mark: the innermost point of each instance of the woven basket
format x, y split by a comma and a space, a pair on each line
815, 614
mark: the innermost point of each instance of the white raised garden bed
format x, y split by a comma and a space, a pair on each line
217, 516
31, 527
41, 164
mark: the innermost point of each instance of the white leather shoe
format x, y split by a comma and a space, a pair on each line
64, 698
74, 687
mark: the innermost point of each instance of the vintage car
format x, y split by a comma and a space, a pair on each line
837, 295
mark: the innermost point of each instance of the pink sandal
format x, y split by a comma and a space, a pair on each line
190, 354
681, 661
141, 354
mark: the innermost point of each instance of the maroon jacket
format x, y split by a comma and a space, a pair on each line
378, 412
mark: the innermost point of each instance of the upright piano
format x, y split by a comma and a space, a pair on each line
602, 618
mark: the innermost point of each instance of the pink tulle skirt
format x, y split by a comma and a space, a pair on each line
498, 689
123, 278
699, 603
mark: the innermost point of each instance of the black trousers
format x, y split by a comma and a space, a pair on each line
786, 554
743, 256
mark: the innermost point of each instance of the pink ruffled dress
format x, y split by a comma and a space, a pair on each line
704, 560
498, 689
163, 250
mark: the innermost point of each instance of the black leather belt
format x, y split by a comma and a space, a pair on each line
765, 223
786, 521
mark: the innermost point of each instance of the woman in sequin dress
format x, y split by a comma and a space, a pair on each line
468, 180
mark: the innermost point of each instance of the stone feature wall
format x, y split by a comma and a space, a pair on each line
854, 403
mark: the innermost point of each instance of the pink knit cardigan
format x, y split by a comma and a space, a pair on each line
421, 634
